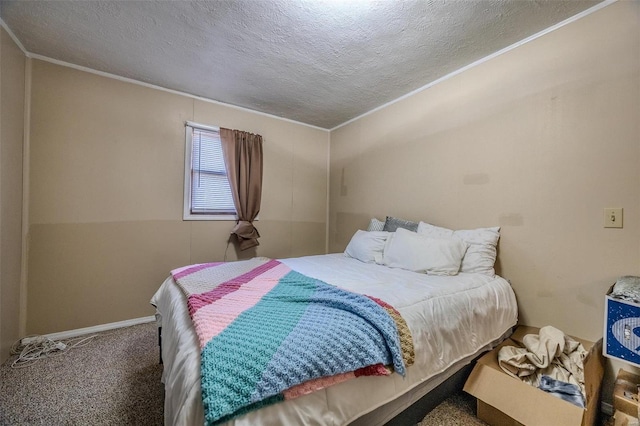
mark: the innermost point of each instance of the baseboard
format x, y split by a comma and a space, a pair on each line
99, 328
606, 408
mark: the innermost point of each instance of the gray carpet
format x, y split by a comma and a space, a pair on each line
457, 410
115, 380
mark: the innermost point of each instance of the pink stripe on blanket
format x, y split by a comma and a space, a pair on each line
188, 270
324, 382
373, 370
316, 384
383, 303
211, 319
197, 301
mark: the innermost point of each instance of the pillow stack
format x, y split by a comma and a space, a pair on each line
420, 253
425, 248
481, 255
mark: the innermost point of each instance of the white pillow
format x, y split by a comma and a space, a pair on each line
375, 225
434, 231
481, 254
418, 253
367, 246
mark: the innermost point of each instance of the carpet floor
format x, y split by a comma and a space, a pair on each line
115, 380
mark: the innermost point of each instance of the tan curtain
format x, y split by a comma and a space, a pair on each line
243, 159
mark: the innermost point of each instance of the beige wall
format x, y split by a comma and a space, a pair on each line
12, 89
106, 193
538, 141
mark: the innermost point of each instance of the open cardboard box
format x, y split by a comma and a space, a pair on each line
505, 400
625, 393
623, 419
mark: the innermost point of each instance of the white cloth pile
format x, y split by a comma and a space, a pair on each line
549, 353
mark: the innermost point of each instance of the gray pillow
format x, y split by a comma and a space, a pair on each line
375, 225
393, 223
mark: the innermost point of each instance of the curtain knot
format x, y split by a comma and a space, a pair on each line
247, 234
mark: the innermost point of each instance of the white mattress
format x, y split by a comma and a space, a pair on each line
450, 318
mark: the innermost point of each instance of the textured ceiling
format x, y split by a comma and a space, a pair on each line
320, 62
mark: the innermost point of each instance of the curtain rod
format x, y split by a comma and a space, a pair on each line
202, 126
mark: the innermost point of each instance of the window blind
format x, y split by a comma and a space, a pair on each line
210, 190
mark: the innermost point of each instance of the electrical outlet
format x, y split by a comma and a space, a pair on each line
613, 217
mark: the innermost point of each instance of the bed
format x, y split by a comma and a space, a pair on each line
452, 319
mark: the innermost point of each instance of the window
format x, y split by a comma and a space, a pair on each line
207, 194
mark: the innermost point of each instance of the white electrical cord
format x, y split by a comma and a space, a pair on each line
32, 348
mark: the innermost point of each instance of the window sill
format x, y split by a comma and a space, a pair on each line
226, 217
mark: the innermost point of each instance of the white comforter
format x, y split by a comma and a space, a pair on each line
450, 318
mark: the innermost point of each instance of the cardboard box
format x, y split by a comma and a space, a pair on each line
625, 393
505, 400
622, 330
622, 419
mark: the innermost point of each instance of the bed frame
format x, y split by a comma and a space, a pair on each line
418, 410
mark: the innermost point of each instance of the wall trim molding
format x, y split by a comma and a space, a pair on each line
569, 20
13, 37
480, 61
328, 199
99, 328
164, 89
26, 161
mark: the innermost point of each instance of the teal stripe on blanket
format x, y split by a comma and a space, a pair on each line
302, 329
317, 356
237, 360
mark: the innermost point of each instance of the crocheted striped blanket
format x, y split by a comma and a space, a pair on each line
268, 333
